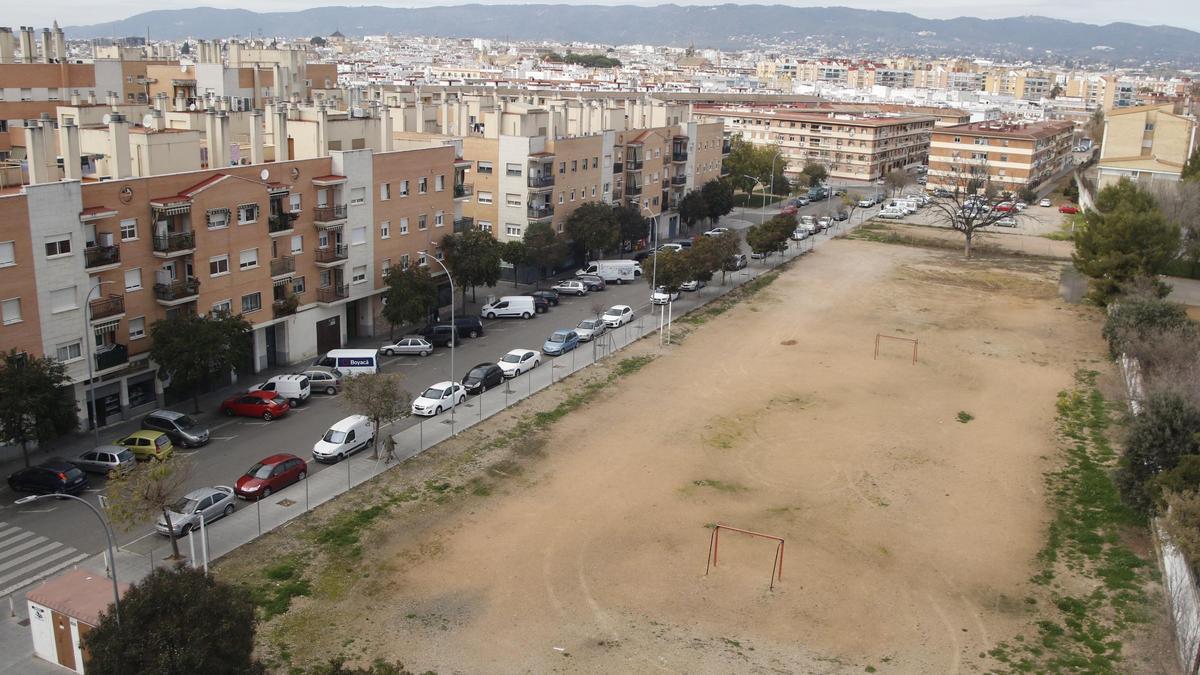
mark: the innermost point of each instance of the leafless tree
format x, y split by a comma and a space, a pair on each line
969, 208
896, 180
146, 492
1179, 202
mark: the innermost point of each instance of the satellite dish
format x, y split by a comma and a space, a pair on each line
183, 67
147, 120
106, 119
192, 106
264, 174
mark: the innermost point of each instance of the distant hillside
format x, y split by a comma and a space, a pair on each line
724, 26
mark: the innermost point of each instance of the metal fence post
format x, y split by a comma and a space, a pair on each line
306, 507
349, 484
258, 510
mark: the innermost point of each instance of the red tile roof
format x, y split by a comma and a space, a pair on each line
82, 594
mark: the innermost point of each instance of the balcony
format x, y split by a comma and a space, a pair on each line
679, 180
285, 307
330, 256
633, 190
332, 294
108, 306
329, 216
464, 190
100, 258
463, 224
110, 356
282, 266
617, 195
679, 156
633, 165
280, 223
543, 182
540, 212
618, 167
174, 244
177, 292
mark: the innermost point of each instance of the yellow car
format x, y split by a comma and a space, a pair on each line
147, 444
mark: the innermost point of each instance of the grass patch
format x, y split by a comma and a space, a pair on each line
726, 302
1060, 235
273, 593
963, 416
342, 535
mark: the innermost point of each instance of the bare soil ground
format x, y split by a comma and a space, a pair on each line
911, 536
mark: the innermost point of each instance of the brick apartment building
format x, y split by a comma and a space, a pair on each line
1008, 155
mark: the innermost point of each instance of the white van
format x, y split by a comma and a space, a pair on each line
509, 306
346, 437
613, 271
295, 388
351, 361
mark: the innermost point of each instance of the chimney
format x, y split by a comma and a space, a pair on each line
180, 103
256, 137
446, 128
68, 141
35, 150
118, 143
385, 129
277, 81
8, 45
420, 116
223, 137
322, 130
75, 100
280, 136
47, 47
60, 44
160, 102
26, 44
403, 115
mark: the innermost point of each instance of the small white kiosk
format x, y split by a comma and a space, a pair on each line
63, 610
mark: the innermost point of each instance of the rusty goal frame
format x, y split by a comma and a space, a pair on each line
879, 337
714, 541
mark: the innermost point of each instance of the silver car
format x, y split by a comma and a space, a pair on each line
185, 513
324, 379
409, 344
106, 459
590, 329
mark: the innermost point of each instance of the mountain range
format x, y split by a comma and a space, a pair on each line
850, 31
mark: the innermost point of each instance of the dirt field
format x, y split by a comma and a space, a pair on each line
910, 535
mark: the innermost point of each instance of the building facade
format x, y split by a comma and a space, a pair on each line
1007, 155
1146, 144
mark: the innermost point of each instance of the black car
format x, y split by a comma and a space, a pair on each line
940, 192
840, 216
55, 476
540, 304
550, 296
482, 377
593, 282
441, 335
642, 255
468, 325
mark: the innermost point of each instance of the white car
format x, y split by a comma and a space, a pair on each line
1006, 221
571, 287
519, 361
1045, 203
716, 232
590, 329
618, 315
439, 397
800, 234
411, 344
866, 203
671, 247
661, 297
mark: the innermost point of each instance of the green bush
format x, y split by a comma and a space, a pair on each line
1140, 319
1167, 430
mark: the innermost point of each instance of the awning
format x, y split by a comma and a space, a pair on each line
107, 327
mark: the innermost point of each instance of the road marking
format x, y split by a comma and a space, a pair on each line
42, 574
131, 543
21, 547
224, 438
255, 424
49, 510
32, 559
222, 424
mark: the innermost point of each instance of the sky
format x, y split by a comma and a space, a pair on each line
1180, 13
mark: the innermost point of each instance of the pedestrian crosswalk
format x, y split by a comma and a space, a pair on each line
27, 557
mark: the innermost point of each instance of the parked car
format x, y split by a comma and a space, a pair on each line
800, 234
571, 287
519, 361
265, 404
509, 306
736, 262
617, 316
802, 201
1021, 206
540, 305
467, 325
1045, 203
209, 503
672, 246
1068, 208
662, 297
324, 378
148, 444
183, 430
441, 335
346, 437
1006, 221
482, 377
1006, 207
409, 344
592, 282
693, 285
294, 388
271, 475
54, 476
788, 210
841, 216
866, 203
560, 342
590, 329
825, 222
550, 296
942, 192
439, 397
106, 459
716, 232
892, 212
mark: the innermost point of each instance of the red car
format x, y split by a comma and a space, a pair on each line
271, 475
1068, 208
265, 404
789, 210
1005, 207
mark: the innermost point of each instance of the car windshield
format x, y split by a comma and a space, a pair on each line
186, 422
332, 436
511, 358
588, 324
558, 337
260, 470
184, 505
477, 373
432, 392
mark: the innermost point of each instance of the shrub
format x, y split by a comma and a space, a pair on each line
1182, 522
1139, 319
1167, 430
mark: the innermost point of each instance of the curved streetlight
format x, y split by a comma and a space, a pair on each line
653, 247
762, 217
453, 336
88, 353
112, 558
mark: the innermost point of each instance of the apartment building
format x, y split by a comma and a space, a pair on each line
1006, 155
851, 145
299, 248
1146, 144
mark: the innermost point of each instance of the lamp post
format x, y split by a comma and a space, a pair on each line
773, 158
112, 559
653, 247
453, 337
762, 218
88, 341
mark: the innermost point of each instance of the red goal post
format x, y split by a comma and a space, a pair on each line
879, 337
714, 541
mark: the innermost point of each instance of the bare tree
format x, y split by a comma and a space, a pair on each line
147, 491
1179, 202
896, 180
969, 208
379, 397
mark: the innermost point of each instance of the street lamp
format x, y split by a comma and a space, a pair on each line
88, 342
112, 559
653, 247
453, 336
763, 213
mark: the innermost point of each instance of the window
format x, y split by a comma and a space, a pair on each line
8, 253
384, 267
133, 279
385, 229
512, 200
404, 226
513, 170
218, 265
593, 190
485, 225
439, 182
297, 244
326, 278
595, 162
10, 311
981, 141
298, 285
323, 239
422, 222
247, 213
58, 245
404, 262
69, 351
958, 139
572, 195
1003, 158
438, 219
483, 168
251, 303
358, 235
574, 165
561, 197
422, 185
248, 259
385, 191
358, 195
562, 167
137, 328
359, 274
294, 199
63, 299
403, 188
420, 258
512, 230
129, 229
483, 197
218, 218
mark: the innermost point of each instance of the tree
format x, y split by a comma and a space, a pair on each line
191, 349
1191, 170
692, 208
747, 159
1123, 238
592, 227
1056, 91
1181, 520
1167, 429
409, 296
514, 253
1095, 126
963, 210
1179, 202
380, 397
146, 492
718, 199
1027, 195
896, 180
317, 41
850, 202
673, 269
706, 256
544, 248
772, 235
1138, 319
176, 621
36, 401
730, 245
816, 172
473, 258
631, 226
